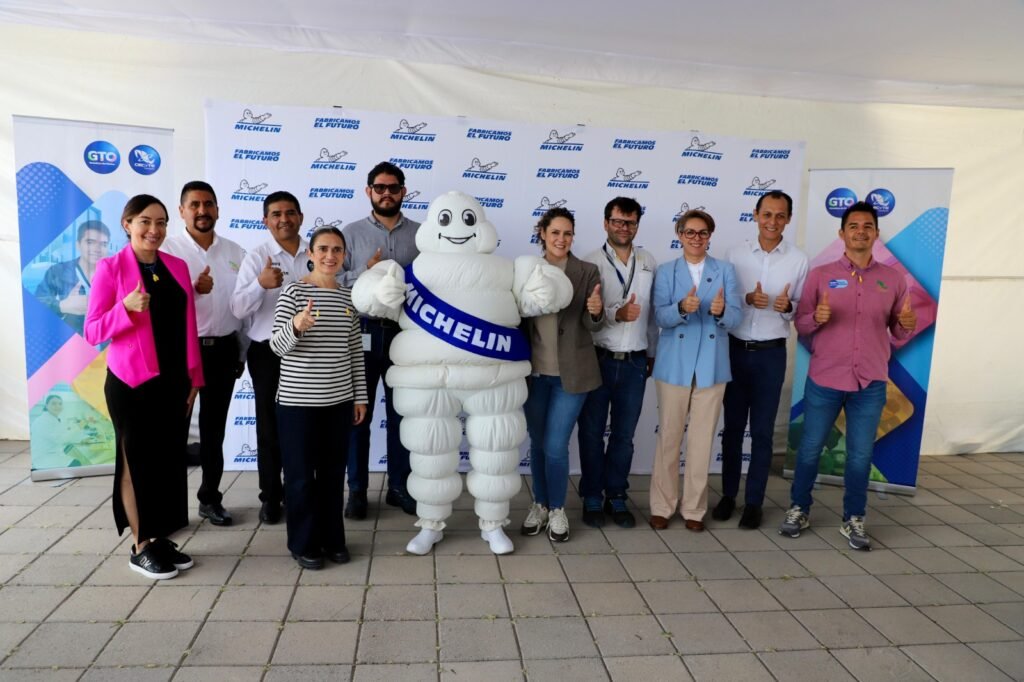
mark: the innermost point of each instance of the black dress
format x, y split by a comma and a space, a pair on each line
149, 420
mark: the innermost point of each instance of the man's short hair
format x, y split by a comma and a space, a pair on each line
385, 168
859, 207
696, 213
626, 206
776, 194
279, 195
94, 225
196, 186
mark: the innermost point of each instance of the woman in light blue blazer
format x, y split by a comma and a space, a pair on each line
696, 302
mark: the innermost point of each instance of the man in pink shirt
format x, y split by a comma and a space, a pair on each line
848, 309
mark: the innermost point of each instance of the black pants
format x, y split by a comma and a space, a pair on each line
314, 443
220, 363
265, 370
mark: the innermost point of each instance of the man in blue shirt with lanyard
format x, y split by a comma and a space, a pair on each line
625, 351
65, 286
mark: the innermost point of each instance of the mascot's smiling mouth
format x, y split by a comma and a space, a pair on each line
456, 240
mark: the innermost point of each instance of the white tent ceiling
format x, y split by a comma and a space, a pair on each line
937, 52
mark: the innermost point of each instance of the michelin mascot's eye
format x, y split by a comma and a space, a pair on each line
444, 218
469, 218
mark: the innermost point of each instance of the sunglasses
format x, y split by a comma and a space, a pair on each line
381, 188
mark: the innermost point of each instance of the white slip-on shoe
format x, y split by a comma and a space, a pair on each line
424, 541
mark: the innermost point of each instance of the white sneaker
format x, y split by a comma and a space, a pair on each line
424, 541
558, 525
499, 542
536, 519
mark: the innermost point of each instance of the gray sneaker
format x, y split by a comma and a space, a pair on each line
795, 522
853, 530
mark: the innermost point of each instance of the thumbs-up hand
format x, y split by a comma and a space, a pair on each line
270, 277
907, 317
822, 312
628, 312
304, 319
782, 303
390, 290
718, 303
204, 283
374, 259
757, 298
594, 303
137, 300
690, 302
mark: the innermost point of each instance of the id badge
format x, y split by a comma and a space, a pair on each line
366, 343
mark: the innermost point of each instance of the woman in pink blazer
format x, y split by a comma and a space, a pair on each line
142, 302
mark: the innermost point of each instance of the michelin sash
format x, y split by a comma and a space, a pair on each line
460, 329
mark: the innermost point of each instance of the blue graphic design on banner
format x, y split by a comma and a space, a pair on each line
460, 329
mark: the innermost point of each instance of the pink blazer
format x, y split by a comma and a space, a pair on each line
132, 352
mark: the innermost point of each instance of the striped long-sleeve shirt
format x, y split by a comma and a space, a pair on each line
323, 366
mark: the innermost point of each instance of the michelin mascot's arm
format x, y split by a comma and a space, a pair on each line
539, 287
380, 291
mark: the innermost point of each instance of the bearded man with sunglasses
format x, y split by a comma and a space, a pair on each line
386, 234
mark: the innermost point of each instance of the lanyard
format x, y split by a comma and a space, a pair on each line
626, 283
83, 281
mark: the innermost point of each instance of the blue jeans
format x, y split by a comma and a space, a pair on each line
377, 361
863, 412
606, 471
757, 377
550, 417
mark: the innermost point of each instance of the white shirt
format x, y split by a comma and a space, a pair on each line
642, 333
224, 258
785, 264
254, 304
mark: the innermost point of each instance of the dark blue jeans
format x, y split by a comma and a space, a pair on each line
265, 370
550, 417
757, 378
376, 361
605, 470
313, 447
863, 412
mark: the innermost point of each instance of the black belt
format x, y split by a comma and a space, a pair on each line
758, 345
619, 355
214, 340
381, 322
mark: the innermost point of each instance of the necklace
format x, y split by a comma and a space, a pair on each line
151, 269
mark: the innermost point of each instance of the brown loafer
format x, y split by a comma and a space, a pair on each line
695, 526
658, 522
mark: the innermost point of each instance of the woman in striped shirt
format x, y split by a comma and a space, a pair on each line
321, 394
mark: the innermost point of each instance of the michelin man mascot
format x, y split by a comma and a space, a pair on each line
459, 306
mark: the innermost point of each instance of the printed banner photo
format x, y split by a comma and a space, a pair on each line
73, 180
913, 211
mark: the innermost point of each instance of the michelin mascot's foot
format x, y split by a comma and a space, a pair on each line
424, 541
499, 542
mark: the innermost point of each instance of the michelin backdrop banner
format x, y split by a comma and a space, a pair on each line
913, 210
73, 180
516, 170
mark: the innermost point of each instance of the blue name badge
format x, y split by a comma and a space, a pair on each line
838, 284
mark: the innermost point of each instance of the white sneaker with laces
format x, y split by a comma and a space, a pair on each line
536, 519
558, 525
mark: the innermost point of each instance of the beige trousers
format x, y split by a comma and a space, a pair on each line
703, 406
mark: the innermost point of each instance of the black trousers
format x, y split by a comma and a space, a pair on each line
265, 370
314, 443
220, 364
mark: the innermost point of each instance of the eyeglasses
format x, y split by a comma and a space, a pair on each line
693, 234
619, 222
381, 188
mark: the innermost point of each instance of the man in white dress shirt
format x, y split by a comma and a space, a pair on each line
625, 351
213, 263
280, 260
771, 274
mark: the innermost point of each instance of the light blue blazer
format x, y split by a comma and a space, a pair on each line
696, 344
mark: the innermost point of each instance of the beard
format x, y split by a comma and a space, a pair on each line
207, 226
388, 211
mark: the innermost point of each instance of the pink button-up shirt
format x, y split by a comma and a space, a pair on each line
852, 349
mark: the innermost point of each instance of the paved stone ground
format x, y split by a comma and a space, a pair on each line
941, 596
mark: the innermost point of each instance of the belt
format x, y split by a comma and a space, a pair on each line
214, 340
758, 345
381, 322
619, 355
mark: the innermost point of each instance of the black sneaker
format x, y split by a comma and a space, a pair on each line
593, 515
216, 513
169, 551
400, 498
621, 515
151, 564
356, 506
724, 509
270, 512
